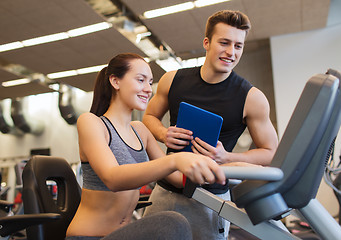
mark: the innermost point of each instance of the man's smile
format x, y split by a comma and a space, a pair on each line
227, 60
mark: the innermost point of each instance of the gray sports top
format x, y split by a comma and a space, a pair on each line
124, 154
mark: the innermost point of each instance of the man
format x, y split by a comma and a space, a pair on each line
217, 88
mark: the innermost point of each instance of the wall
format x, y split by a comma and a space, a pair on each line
58, 135
295, 58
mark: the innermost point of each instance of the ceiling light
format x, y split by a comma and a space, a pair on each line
55, 37
204, 3
89, 29
71, 73
200, 61
91, 69
193, 62
62, 74
16, 82
54, 86
180, 7
168, 10
139, 36
45, 39
10, 46
169, 64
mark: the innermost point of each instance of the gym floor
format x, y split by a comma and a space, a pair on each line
239, 234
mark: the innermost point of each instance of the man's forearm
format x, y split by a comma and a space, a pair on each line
258, 156
155, 126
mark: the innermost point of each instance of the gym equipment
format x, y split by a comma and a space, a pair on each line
332, 177
38, 199
291, 182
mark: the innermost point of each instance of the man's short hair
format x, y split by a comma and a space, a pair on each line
235, 19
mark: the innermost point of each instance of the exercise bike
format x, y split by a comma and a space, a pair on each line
289, 185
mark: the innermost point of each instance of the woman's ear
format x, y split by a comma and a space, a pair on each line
114, 81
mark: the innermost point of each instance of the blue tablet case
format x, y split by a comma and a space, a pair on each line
204, 124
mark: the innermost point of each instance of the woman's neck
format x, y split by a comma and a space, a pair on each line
119, 115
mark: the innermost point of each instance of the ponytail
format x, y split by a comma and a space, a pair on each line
102, 93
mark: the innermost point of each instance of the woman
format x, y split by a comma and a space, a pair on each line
115, 153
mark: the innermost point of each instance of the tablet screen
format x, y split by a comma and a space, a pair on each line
204, 124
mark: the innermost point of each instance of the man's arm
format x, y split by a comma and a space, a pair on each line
156, 109
158, 106
263, 134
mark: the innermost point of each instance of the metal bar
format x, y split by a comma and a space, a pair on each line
253, 173
320, 220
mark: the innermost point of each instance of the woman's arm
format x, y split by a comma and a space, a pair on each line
154, 152
93, 145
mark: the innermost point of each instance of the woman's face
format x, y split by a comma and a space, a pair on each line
134, 89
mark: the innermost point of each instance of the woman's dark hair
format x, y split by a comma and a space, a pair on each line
233, 18
103, 91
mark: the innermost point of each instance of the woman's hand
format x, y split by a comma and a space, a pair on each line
200, 169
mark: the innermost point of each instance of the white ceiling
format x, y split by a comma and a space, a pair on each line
182, 32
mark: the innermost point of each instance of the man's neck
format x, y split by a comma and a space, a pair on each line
210, 76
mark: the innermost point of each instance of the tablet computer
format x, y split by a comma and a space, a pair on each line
204, 124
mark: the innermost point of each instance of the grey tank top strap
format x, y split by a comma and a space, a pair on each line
123, 153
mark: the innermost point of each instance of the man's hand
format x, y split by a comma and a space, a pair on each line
218, 153
177, 138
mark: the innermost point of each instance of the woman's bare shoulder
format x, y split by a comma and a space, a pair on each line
87, 117
139, 126
88, 122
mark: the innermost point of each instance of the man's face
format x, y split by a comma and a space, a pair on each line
225, 48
